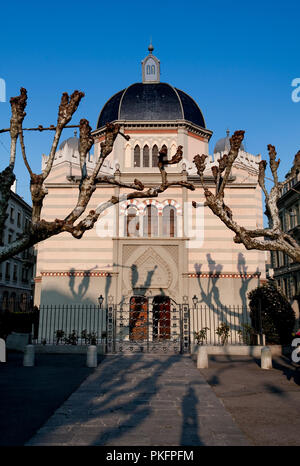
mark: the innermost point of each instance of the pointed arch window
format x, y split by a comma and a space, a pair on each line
146, 156
132, 223
137, 156
169, 221
154, 156
150, 221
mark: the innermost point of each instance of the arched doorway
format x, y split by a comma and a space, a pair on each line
161, 318
138, 318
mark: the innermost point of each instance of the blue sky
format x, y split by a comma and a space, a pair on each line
236, 59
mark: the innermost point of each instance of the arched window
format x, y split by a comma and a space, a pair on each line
150, 221
154, 156
132, 224
146, 156
169, 221
137, 156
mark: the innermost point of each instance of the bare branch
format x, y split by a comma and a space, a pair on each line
86, 141
18, 105
24, 153
266, 239
40, 128
68, 106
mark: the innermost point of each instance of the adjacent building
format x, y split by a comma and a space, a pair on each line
16, 274
285, 272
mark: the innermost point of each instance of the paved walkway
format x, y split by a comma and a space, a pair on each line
142, 400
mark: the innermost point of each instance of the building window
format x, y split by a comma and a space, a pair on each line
12, 215
297, 212
150, 69
150, 221
137, 156
24, 275
293, 218
169, 221
10, 237
7, 271
19, 219
282, 222
132, 224
154, 156
15, 273
146, 156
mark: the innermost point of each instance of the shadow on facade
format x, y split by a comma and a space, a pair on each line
138, 290
209, 289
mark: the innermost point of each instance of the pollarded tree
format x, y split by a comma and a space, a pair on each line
265, 239
75, 223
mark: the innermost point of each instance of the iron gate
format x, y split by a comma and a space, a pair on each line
148, 325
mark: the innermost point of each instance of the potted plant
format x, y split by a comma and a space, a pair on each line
200, 336
223, 331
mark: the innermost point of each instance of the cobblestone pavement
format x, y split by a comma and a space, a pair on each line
160, 400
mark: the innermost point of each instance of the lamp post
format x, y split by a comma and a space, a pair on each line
100, 301
195, 300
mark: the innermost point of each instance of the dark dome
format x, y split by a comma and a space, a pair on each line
151, 102
223, 144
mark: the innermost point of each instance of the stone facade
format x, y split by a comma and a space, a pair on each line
179, 252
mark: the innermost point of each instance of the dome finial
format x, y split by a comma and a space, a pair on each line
150, 48
227, 132
75, 133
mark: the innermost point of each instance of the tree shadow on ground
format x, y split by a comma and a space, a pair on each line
127, 398
228, 362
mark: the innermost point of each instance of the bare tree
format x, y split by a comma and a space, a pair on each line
41, 229
265, 239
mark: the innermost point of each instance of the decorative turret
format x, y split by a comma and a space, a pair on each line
151, 67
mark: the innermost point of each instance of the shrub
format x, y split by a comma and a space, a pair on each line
247, 334
277, 316
20, 322
223, 331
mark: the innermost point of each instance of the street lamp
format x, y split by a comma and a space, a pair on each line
100, 300
195, 300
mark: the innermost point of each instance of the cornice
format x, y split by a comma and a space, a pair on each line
203, 132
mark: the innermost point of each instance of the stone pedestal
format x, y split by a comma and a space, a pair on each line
202, 358
28, 360
266, 358
91, 356
2, 350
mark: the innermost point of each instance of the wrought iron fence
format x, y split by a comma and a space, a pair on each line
212, 325
71, 324
121, 328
